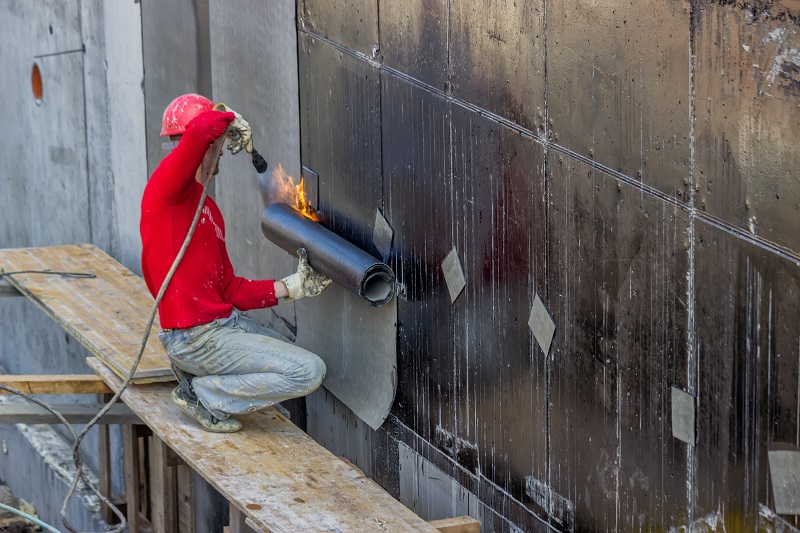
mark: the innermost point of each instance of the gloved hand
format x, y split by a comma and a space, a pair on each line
209, 125
240, 136
306, 281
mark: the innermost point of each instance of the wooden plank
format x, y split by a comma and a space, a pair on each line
7, 289
131, 461
459, 524
185, 499
249, 523
163, 497
55, 384
104, 459
107, 314
273, 472
29, 413
236, 520
144, 486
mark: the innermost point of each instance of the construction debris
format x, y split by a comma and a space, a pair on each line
13, 523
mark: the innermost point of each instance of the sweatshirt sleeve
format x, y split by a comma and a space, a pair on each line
173, 176
243, 293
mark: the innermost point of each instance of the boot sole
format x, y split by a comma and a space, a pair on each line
183, 406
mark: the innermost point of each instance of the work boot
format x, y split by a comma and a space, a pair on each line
189, 404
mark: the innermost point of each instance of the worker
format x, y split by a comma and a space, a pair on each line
226, 363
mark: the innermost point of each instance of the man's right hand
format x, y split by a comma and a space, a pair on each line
209, 125
306, 281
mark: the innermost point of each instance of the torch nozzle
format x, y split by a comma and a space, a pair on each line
259, 162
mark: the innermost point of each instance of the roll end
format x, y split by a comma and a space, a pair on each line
378, 286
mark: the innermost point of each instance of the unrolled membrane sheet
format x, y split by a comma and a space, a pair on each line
355, 336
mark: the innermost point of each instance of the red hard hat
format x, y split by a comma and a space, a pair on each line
181, 111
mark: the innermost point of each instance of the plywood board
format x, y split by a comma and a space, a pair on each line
106, 314
273, 472
29, 413
55, 384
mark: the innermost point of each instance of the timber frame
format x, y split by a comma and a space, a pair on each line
275, 477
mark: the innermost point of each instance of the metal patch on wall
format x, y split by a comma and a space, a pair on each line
542, 325
784, 468
453, 274
683, 414
382, 235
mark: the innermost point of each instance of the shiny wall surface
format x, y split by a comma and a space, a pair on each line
748, 119
619, 276
618, 86
497, 58
747, 305
632, 165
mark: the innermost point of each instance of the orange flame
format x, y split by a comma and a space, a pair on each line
285, 190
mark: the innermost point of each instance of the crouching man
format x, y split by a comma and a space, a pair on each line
226, 364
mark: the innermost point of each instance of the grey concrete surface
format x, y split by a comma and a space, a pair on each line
67, 161
37, 462
632, 165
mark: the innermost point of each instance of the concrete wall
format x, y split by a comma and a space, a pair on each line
122, 23
73, 171
631, 166
78, 161
254, 65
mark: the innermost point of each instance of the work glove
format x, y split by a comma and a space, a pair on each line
209, 125
306, 281
240, 136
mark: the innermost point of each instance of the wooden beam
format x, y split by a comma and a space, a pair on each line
249, 523
275, 474
7, 289
163, 495
55, 384
185, 499
104, 459
459, 524
29, 413
236, 519
131, 461
142, 445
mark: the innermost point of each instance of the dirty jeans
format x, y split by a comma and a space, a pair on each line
242, 366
